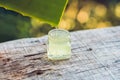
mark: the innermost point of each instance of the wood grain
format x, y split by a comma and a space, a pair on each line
95, 56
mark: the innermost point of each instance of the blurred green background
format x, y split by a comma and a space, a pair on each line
79, 15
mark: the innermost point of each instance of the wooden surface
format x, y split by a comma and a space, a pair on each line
95, 56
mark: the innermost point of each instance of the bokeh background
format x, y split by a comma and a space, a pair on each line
79, 15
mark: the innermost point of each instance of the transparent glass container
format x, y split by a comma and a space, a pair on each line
59, 46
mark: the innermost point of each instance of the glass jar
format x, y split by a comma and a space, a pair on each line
59, 46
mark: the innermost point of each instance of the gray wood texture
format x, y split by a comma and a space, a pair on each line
95, 56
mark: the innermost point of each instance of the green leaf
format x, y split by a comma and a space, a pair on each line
49, 11
13, 25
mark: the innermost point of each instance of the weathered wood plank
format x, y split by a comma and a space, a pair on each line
95, 56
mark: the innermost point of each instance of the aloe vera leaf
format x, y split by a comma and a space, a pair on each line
49, 11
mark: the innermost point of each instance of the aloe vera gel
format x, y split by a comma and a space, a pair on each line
59, 47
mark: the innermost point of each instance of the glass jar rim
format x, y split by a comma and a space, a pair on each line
52, 33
